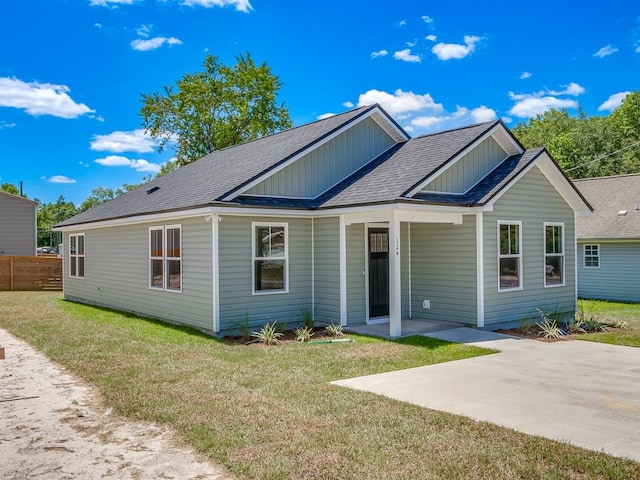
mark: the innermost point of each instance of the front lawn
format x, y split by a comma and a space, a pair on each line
269, 413
623, 312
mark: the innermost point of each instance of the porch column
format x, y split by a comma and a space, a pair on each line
395, 310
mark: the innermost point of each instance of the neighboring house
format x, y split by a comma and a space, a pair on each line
347, 218
17, 225
609, 241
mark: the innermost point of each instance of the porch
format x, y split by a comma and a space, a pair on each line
409, 327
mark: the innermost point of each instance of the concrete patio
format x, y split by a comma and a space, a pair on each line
409, 328
585, 393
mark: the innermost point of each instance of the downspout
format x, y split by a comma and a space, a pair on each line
313, 271
409, 258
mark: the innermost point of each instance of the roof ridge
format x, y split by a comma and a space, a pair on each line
465, 127
318, 120
622, 175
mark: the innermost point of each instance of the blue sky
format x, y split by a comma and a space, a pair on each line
72, 71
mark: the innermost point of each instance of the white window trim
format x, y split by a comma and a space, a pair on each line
165, 259
545, 254
584, 255
255, 225
74, 257
519, 256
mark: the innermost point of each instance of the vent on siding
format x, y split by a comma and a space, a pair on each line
622, 213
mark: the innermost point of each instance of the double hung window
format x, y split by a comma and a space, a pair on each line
509, 255
270, 258
165, 258
76, 255
554, 254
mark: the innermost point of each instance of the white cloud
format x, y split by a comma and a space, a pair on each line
412, 44
348, 104
379, 53
399, 102
638, 49
525, 75
536, 103
111, 3
613, 102
532, 106
144, 30
605, 51
241, 5
326, 115
431, 38
60, 179
133, 141
97, 25
153, 43
402, 23
40, 98
406, 56
425, 122
448, 51
4, 124
483, 114
138, 165
427, 19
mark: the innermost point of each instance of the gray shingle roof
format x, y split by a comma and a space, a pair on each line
608, 196
386, 179
203, 182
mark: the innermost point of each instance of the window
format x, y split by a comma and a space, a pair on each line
509, 255
76, 255
270, 254
165, 258
592, 256
554, 254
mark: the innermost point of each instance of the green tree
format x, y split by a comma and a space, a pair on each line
98, 195
50, 214
215, 108
10, 188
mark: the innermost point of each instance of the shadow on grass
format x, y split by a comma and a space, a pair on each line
156, 322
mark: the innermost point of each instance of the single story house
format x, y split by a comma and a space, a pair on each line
347, 219
17, 225
609, 240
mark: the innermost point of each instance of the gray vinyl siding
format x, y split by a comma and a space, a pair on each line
17, 226
443, 270
326, 165
327, 269
117, 273
534, 201
616, 278
356, 257
238, 303
470, 169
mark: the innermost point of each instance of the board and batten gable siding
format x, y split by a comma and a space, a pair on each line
328, 164
117, 273
356, 266
443, 270
469, 169
327, 269
616, 278
533, 201
238, 304
17, 226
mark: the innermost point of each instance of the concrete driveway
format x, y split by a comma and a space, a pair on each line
585, 393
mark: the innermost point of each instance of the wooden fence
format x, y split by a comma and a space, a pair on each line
30, 273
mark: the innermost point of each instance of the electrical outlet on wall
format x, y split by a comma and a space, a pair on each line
426, 304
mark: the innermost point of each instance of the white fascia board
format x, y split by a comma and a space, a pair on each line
269, 212
306, 151
452, 162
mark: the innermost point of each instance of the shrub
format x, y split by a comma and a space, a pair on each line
268, 334
334, 329
303, 334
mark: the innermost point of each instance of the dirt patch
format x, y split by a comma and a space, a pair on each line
54, 426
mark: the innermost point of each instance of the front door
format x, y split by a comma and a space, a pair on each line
378, 272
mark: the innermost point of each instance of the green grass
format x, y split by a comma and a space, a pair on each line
627, 312
269, 413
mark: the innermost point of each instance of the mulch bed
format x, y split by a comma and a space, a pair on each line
534, 331
288, 336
